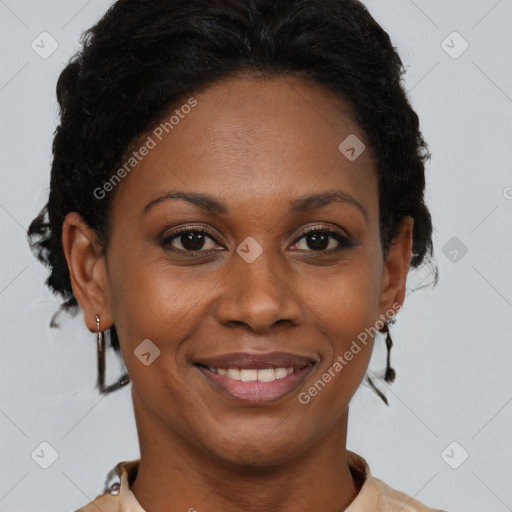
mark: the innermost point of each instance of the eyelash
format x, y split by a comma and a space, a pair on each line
343, 241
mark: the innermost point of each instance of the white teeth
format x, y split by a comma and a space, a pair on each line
248, 375
252, 374
281, 373
233, 373
266, 375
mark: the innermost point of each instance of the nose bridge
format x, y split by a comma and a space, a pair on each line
259, 267
257, 292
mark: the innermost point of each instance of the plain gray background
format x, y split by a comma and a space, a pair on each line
452, 344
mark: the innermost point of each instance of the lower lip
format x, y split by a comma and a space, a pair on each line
256, 392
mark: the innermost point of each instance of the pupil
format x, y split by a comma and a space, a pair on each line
320, 241
192, 240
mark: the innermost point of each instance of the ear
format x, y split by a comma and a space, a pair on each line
87, 270
392, 291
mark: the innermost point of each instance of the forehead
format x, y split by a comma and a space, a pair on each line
252, 140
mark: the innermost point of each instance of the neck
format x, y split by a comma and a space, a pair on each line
175, 475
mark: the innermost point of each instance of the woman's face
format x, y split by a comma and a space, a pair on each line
257, 164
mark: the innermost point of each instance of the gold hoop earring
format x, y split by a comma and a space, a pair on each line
125, 378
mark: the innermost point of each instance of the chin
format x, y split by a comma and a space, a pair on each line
259, 450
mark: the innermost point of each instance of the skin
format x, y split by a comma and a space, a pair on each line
256, 144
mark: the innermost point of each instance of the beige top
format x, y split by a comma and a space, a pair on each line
374, 495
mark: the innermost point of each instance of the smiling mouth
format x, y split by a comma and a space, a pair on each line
255, 386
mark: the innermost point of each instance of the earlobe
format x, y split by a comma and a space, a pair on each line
397, 267
87, 270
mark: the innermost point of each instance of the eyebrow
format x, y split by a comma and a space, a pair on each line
305, 203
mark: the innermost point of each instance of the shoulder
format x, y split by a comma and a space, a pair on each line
117, 496
376, 495
105, 502
394, 500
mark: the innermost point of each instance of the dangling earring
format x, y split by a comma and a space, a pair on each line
390, 373
125, 379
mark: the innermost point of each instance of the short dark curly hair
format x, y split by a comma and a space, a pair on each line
144, 56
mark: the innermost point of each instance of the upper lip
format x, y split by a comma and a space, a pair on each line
247, 360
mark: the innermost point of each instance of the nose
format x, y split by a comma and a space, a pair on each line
258, 295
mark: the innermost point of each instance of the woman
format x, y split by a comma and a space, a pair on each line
237, 198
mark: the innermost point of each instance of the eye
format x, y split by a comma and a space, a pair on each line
323, 239
190, 240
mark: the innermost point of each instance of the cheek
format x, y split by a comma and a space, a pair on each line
147, 294
152, 301
347, 301
155, 312
346, 326
348, 308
